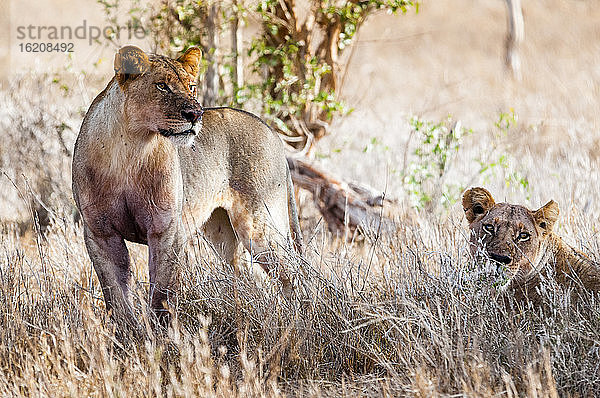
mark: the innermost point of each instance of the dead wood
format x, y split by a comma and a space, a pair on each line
345, 206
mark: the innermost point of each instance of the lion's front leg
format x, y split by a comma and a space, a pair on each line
110, 258
166, 254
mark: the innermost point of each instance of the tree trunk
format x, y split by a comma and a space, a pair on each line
211, 79
236, 49
514, 37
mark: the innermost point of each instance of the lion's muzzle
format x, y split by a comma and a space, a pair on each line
192, 115
499, 258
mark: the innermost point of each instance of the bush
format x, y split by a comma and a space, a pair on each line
293, 59
438, 146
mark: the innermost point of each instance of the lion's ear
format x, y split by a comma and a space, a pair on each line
191, 61
476, 201
130, 61
546, 216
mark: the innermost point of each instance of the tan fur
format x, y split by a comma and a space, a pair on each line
523, 244
150, 162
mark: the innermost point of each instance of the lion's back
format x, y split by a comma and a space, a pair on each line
237, 147
243, 127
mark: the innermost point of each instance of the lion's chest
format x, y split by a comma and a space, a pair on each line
141, 218
130, 215
133, 204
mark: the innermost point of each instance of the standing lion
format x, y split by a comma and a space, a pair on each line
148, 153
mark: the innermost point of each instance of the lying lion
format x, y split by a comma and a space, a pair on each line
148, 153
522, 244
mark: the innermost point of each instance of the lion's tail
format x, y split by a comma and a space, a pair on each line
293, 213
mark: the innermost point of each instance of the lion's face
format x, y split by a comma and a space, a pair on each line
160, 93
511, 236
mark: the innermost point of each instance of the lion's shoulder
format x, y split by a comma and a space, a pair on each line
241, 127
234, 114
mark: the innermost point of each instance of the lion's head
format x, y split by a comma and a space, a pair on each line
512, 236
160, 93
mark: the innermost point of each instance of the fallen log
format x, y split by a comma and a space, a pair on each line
346, 207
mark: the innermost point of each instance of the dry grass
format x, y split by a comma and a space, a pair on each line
405, 314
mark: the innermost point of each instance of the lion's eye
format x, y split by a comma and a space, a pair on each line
163, 87
524, 236
488, 228
193, 88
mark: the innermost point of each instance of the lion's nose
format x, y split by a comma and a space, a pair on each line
500, 258
191, 115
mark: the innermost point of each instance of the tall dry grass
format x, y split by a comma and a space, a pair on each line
402, 313
386, 318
